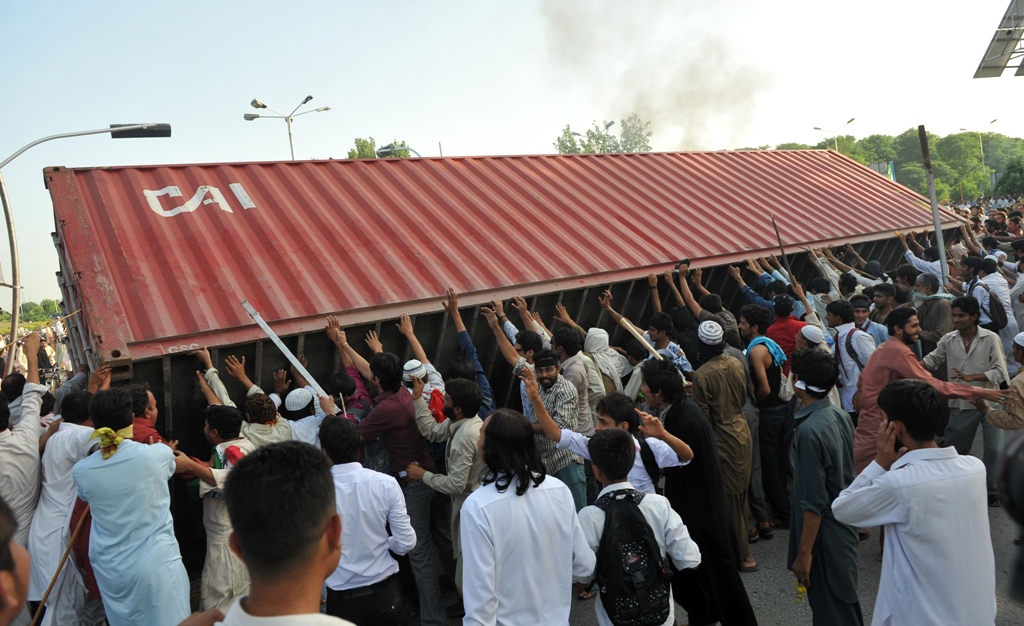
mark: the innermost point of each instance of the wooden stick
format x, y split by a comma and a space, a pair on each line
628, 325
63, 559
785, 261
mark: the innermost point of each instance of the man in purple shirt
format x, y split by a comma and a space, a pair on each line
394, 419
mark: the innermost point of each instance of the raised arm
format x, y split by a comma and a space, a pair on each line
236, 369
451, 305
698, 282
605, 300
334, 334
405, 327
99, 380
861, 263
652, 281
684, 291
563, 316
548, 427
670, 281
504, 345
834, 260
652, 427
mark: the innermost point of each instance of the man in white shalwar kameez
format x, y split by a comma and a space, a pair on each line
50, 531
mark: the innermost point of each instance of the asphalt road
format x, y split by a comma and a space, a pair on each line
773, 596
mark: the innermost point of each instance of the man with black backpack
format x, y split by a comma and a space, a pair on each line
632, 534
854, 347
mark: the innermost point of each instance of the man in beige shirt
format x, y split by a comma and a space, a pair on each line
461, 431
974, 356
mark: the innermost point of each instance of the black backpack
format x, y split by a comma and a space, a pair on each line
633, 576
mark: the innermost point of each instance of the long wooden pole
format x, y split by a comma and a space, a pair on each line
63, 559
628, 325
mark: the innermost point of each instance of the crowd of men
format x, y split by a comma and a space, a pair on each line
640, 474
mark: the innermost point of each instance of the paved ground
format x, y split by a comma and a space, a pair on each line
774, 598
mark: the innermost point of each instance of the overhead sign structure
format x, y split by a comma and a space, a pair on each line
1006, 50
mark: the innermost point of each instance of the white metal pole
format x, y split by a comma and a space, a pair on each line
15, 271
291, 138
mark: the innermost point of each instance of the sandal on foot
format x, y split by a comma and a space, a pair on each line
753, 536
585, 595
765, 533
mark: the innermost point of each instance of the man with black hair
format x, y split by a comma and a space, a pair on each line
224, 576
934, 312
613, 455
938, 567
853, 349
927, 263
720, 391
658, 334
906, 275
468, 366
521, 540
617, 411
460, 431
883, 299
772, 288
713, 592
50, 531
892, 361
20, 473
394, 420
562, 403
862, 318
822, 550
144, 415
984, 280
14, 569
765, 359
569, 346
973, 356
287, 531
125, 484
364, 587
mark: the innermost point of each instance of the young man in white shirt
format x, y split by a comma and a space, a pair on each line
938, 566
853, 348
612, 453
522, 543
364, 587
287, 531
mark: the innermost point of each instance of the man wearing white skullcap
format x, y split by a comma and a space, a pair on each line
1012, 416
811, 337
720, 390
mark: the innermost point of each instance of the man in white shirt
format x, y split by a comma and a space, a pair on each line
617, 411
20, 472
612, 454
50, 531
853, 346
522, 543
287, 531
984, 281
364, 587
937, 566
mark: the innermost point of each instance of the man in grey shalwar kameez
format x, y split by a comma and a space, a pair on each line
822, 550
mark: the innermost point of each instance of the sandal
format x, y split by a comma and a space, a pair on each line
585, 595
753, 536
765, 533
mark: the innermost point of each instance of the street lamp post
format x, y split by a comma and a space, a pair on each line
981, 144
386, 151
835, 133
117, 131
259, 104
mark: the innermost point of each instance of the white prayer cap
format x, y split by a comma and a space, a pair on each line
993, 257
1019, 339
414, 368
812, 334
298, 399
710, 333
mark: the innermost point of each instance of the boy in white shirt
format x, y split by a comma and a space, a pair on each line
612, 452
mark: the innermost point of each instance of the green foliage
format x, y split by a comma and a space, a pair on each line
32, 312
367, 149
792, 146
635, 136
1012, 181
50, 307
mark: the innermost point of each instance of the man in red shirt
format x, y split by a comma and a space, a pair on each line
785, 327
144, 415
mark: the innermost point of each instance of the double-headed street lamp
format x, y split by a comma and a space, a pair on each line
981, 144
835, 133
259, 104
384, 152
117, 131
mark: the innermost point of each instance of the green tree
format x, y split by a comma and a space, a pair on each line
635, 134
367, 149
32, 312
50, 307
634, 137
1012, 181
792, 146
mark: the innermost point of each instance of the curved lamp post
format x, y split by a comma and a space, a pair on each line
835, 133
117, 131
391, 148
259, 104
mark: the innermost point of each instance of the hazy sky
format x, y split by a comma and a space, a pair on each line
480, 77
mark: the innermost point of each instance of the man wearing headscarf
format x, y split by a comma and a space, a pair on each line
720, 390
611, 363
